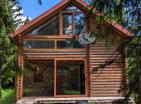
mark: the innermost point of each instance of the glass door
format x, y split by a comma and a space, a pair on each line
39, 78
54, 78
70, 78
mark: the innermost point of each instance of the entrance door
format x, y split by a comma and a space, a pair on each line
70, 78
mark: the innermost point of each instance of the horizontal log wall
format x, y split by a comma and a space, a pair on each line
106, 81
55, 53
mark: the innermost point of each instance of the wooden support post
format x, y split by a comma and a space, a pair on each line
125, 81
86, 78
19, 80
55, 42
55, 78
60, 24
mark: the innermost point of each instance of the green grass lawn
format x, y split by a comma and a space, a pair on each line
8, 96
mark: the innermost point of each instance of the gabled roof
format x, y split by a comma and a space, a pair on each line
81, 3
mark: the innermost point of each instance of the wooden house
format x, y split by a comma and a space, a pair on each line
58, 68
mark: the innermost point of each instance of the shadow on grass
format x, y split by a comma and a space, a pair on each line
8, 96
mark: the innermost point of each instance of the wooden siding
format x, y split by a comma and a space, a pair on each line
107, 81
55, 53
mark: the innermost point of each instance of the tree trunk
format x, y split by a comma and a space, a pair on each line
0, 92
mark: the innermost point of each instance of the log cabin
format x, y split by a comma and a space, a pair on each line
58, 69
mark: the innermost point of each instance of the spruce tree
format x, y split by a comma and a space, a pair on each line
8, 24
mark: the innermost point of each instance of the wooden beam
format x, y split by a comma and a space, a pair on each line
55, 44
73, 23
51, 37
69, 96
60, 24
69, 59
60, 50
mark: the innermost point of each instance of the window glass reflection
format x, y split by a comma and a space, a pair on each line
39, 44
67, 24
79, 24
69, 44
51, 27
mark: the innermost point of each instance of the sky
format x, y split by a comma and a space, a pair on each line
32, 9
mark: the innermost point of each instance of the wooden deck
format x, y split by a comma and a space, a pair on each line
49, 100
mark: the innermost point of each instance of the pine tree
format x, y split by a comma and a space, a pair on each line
7, 46
27, 20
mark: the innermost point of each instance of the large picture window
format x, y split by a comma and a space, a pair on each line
50, 27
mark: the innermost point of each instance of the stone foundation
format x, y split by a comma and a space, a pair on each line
81, 100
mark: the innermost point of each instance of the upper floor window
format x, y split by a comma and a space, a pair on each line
67, 24
73, 21
50, 27
79, 24
70, 21
69, 44
39, 44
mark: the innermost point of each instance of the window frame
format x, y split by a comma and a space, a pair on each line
49, 42
55, 61
55, 40
73, 20
59, 36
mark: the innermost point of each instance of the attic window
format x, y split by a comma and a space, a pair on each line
73, 24
72, 9
73, 21
50, 27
